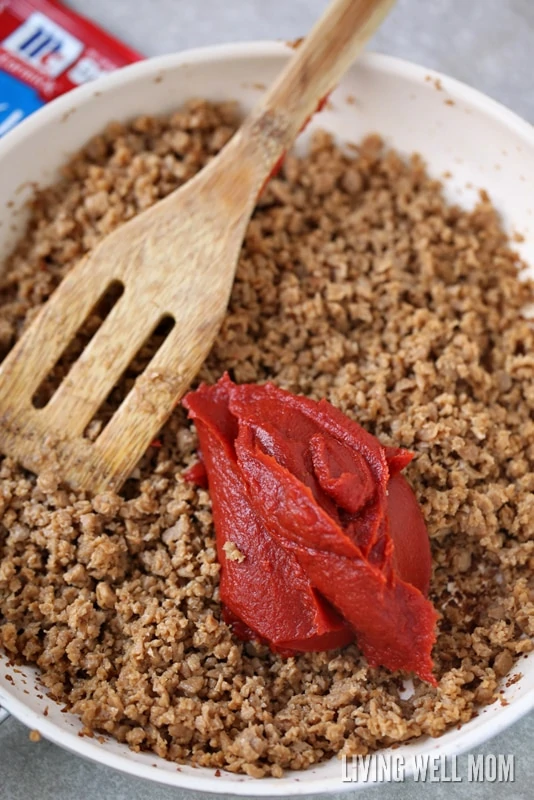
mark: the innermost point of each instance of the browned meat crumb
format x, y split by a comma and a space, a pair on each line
233, 553
356, 283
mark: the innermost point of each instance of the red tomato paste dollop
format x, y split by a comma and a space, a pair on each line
320, 538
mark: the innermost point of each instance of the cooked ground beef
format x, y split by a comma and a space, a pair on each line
358, 283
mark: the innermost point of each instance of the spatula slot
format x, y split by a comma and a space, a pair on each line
126, 381
77, 345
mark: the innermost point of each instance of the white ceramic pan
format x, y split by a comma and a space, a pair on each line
455, 128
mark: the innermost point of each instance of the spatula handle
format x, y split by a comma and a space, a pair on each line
315, 68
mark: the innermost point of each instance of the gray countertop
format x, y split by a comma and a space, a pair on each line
487, 43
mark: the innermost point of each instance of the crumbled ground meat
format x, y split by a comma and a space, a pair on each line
358, 283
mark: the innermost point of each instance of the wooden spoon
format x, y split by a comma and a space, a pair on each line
177, 258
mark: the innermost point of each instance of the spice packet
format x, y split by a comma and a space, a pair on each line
47, 49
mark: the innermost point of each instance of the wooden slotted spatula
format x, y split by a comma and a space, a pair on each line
178, 259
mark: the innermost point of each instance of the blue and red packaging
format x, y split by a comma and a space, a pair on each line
46, 49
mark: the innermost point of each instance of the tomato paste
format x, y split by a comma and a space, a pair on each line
319, 536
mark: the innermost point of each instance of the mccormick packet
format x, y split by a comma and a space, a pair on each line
47, 49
